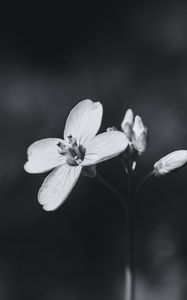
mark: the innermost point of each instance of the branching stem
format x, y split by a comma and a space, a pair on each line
129, 276
128, 206
112, 189
141, 183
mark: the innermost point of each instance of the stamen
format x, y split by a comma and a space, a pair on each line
62, 148
72, 141
73, 151
60, 145
78, 161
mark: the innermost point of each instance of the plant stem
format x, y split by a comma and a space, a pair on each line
112, 189
128, 206
129, 276
141, 183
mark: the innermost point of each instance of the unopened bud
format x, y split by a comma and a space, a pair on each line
127, 123
171, 162
136, 133
138, 126
140, 136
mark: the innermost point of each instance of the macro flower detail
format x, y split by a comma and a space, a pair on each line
127, 123
137, 136
171, 162
79, 152
135, 131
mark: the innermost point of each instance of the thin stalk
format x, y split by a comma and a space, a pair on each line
128, 206
129, 280
129, 274
141, 183
112, 189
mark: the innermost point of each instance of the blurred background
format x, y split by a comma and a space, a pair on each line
125, 55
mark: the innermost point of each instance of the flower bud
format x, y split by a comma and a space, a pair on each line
140, 136
136, 133
128, 118
127, 123
171, 162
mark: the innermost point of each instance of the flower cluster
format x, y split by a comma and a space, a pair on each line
136, 133
82, 149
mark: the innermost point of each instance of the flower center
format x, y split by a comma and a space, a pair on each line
73, 151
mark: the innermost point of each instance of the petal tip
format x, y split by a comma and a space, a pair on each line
138, 120
26, 167
48, 208
129, 111
128, 119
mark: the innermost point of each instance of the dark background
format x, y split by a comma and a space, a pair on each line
124, 55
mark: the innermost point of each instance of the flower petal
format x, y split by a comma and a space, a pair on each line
170, 162
104, 146
128, 119
141, 143
57, 186
138, 126
44, 155
84, 121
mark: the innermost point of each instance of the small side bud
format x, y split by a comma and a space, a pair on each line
127, 129
137, 135
171, 162
138, 126
141, 142
134, 165
140, 135
127, 123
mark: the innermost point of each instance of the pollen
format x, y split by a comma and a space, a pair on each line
73, 152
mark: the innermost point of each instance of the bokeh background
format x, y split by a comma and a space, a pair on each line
125, 55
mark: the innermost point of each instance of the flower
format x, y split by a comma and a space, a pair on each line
135, 131
79, 151
170, 163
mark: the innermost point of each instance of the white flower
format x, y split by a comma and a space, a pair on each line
80, 149
135, 131
170, 162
